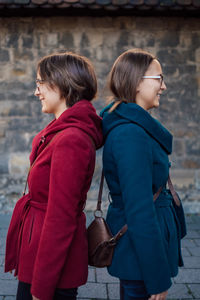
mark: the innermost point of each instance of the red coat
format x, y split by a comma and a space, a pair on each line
48, 227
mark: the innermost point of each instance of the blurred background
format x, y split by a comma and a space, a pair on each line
100, 30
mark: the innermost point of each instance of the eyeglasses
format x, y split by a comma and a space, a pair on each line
39, 82
155, 77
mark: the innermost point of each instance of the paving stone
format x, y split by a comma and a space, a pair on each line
189, 243
179, 291
185, 252
93, 290
194, 226
2, 242
3, 232
4, 221
2, 260
197, 241
188, 276
193, 234
103, 276
195, 251
195, 289
8, 287
113, 291
91, 275
189, 220
192, 262
4, 275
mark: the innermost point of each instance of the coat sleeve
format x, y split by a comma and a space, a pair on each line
132, 151
69, 168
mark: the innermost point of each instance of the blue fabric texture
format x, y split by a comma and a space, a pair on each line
136, 164
133, 289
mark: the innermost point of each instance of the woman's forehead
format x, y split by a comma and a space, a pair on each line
155, 67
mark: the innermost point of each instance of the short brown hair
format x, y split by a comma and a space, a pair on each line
126, 74
72, 74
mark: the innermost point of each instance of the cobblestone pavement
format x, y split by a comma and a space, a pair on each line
101, 285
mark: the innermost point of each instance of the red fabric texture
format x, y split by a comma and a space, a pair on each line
46, 241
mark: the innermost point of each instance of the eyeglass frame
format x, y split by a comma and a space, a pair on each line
155, 77
39, 82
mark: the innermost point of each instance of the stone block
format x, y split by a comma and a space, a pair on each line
197, 179
4, 56
4, 221
185, 39
195, 251
193, 146
183, 178
113, 291
8, 287
93, 290
179, 146
169, 39
173, 56
185, 252
91, 274
66, 39
103, 276
27, 41
197, 241
13, 37
188, 276
5, 276
2, 256
191, 162
192, 262
195, 290
3, 163
192, 207
189, 243
23, 54
10, 108
3, 232
179, 291
197, 55
51, 39
193, 234
18, 164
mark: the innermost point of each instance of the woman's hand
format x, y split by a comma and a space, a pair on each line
34, 298
161, 296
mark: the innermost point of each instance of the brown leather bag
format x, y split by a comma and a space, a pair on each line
101, 242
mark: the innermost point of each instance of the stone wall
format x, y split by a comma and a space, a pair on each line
176, 42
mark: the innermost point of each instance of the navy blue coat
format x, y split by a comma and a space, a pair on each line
135, 162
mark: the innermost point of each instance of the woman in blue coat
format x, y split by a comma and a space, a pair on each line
136, 165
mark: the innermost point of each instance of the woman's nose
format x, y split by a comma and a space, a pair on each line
37, 91
163, 86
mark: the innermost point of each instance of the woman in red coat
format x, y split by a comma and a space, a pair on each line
46, 241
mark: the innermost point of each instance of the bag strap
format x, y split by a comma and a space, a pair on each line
173, 192
99, 201
26, 183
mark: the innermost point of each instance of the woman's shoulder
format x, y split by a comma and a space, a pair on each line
130, 129
72, 135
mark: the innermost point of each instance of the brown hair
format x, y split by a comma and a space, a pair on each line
72, 74
126, 74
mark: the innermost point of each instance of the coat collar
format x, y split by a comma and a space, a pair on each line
131, 112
